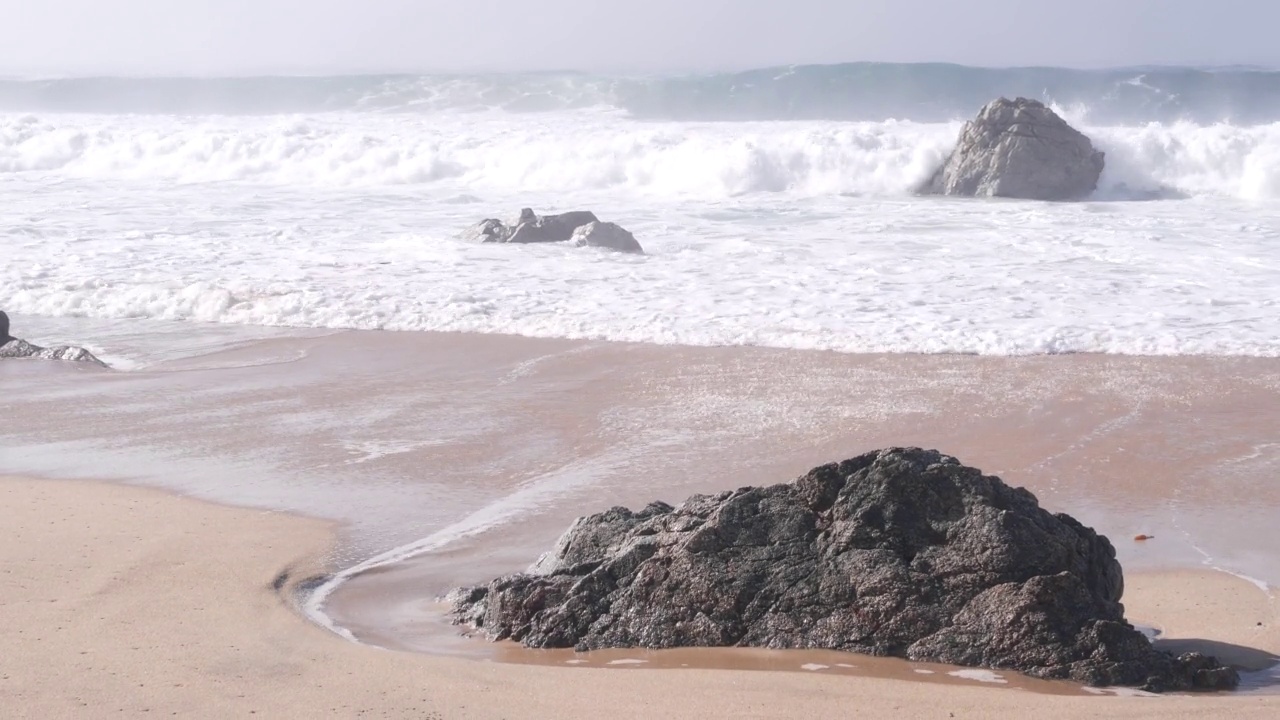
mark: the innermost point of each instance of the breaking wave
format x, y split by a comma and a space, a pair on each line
587, 150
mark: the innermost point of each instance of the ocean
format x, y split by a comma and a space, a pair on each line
775, 206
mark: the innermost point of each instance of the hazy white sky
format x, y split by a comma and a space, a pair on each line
316, 36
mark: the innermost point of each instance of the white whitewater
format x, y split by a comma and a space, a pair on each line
801, 233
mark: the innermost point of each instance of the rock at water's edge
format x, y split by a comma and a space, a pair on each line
1019, 149
901, 552
16, 348
13, 348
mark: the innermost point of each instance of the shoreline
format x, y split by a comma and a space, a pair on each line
476, 452
481, 449
233, 338
184, 611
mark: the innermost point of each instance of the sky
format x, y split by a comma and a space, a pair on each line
249, 37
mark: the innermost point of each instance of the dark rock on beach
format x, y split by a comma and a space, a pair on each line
1019, 149
900, 552
12, 347
580, 226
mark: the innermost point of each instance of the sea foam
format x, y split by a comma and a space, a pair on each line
798, 233
592, 151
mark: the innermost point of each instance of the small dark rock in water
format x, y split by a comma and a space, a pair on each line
549, 228
900, 552
533, 228
606, 235
491, 230
1019, 149
12, 348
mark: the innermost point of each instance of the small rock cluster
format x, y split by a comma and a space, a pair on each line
581, 227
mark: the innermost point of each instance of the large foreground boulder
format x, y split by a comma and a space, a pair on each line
901, 552
1019, 149
580, 226
12, 347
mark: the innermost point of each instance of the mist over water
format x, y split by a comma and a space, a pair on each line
853, 91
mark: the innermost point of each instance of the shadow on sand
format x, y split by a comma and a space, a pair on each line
1259, 669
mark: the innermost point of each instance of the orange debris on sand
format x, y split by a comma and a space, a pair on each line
1140, 538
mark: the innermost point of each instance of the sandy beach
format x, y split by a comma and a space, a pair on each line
442, 459
690, 348
124, 601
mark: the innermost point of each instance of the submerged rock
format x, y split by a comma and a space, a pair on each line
900, 552
606, 235
12, 347
533, 228
490, 230
1019, 149
549, 228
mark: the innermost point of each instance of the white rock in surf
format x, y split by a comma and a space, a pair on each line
1019, 149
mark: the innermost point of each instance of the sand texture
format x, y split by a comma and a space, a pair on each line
125, 602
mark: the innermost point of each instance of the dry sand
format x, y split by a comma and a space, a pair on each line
120, 601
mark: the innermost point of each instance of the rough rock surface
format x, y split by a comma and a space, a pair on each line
606, 235
901, 552
16, 348
533, 228
550, 228
1019, 149
490, 230
12, 347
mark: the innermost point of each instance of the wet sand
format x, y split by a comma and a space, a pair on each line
122, 601
455, 458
